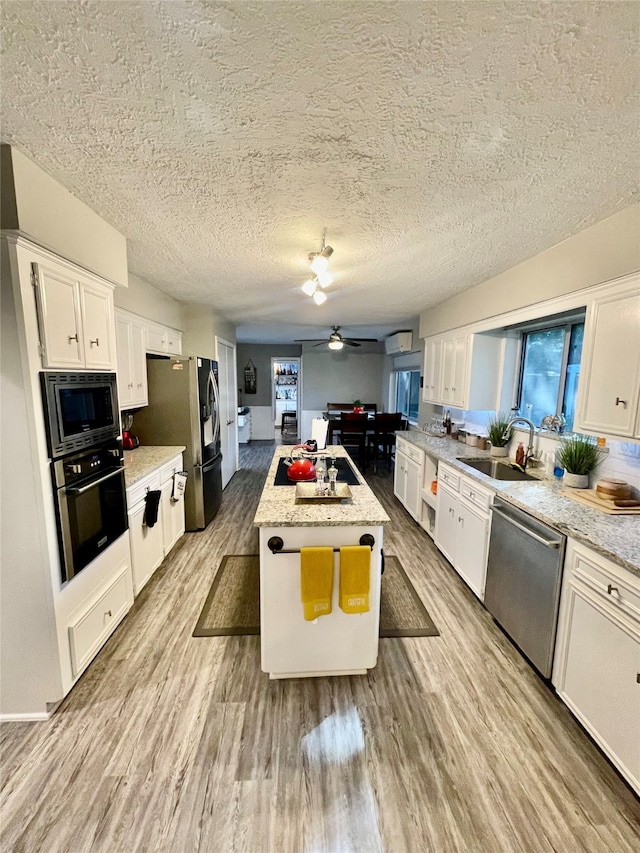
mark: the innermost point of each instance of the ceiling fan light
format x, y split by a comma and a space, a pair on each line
309, 287
319, 297
335, 344
324, 279
319, 264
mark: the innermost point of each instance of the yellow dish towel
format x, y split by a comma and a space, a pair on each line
355, 562
316, 581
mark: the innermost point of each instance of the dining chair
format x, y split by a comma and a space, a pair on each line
383, 439
353, 435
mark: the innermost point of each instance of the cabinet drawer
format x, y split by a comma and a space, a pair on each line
474, 494
448, 475
611, 582
410, 450
137, 492
169, 469
98, 621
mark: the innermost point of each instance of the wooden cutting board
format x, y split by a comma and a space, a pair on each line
588, 497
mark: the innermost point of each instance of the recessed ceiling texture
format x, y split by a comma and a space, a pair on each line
436, 143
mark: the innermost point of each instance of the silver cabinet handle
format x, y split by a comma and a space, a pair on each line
548, 543
96, 342
80, 490
611, 589
73, 338
621, 402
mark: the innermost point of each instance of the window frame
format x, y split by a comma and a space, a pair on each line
394, 396
567, 327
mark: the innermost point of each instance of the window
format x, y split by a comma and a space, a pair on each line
408, 393
549, 372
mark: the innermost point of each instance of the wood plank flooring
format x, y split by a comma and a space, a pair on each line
179, 744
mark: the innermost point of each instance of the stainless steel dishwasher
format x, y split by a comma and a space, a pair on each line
524, 575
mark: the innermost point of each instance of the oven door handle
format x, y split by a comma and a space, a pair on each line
80, 490
548, 543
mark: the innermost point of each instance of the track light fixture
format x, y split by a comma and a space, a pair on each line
321, 278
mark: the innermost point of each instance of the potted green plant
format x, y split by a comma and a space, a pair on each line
499, 433
357, 406
579, 456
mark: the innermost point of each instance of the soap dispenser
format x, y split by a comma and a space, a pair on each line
520, 454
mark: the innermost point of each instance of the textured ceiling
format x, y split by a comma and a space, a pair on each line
438, 143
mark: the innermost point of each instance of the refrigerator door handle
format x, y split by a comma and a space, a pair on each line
213, 384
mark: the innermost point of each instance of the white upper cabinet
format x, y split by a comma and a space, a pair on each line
609, 385
75, 318
162, 340
132, 360
463, 370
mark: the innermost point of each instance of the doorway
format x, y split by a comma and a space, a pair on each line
285, 394
228, 408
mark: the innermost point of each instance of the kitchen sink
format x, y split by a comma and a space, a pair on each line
498, 470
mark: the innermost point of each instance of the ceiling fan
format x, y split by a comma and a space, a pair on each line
336, 341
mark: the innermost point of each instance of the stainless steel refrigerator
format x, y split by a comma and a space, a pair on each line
184, 409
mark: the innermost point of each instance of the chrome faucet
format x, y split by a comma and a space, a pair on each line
530, 454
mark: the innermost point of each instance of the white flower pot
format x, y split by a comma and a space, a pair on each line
576, 481
499, 451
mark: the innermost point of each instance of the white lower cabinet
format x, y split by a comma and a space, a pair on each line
407, 480
150, 545
462, 526
597, 658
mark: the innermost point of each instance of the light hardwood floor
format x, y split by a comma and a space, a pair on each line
170, 743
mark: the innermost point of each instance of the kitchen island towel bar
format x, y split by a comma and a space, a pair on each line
276, 545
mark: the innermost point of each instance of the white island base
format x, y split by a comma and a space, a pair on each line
337, 644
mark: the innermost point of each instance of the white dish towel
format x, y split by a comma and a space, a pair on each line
319, 429
179, 484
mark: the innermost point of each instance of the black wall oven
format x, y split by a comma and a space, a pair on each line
81, 410
82, 423
91, 504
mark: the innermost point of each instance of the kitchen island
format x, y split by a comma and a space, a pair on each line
338, 643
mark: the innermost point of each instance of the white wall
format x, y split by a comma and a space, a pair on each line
604, 251
146, 300
201, 325
47, 213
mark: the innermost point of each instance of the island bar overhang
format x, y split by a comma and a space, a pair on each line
338, 643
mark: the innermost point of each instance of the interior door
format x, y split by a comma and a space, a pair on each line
228, 408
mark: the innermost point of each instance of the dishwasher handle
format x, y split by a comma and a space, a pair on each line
548, 543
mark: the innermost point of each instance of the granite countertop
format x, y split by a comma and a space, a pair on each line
143, 460
278, 506
615, 537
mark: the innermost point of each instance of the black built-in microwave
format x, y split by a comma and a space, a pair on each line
81, 410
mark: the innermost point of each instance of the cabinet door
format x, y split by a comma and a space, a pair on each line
58, 301
400, 477
458, 377
97, 324
174, 342
412, 499
471, 546
609, 387
447, 370
447, 522
147, 547
173, 522
123, 352
431, 391
139, 363
156, 339
599, 682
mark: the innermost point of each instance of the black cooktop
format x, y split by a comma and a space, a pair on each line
346, 474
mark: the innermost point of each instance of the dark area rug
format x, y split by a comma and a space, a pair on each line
232, 607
